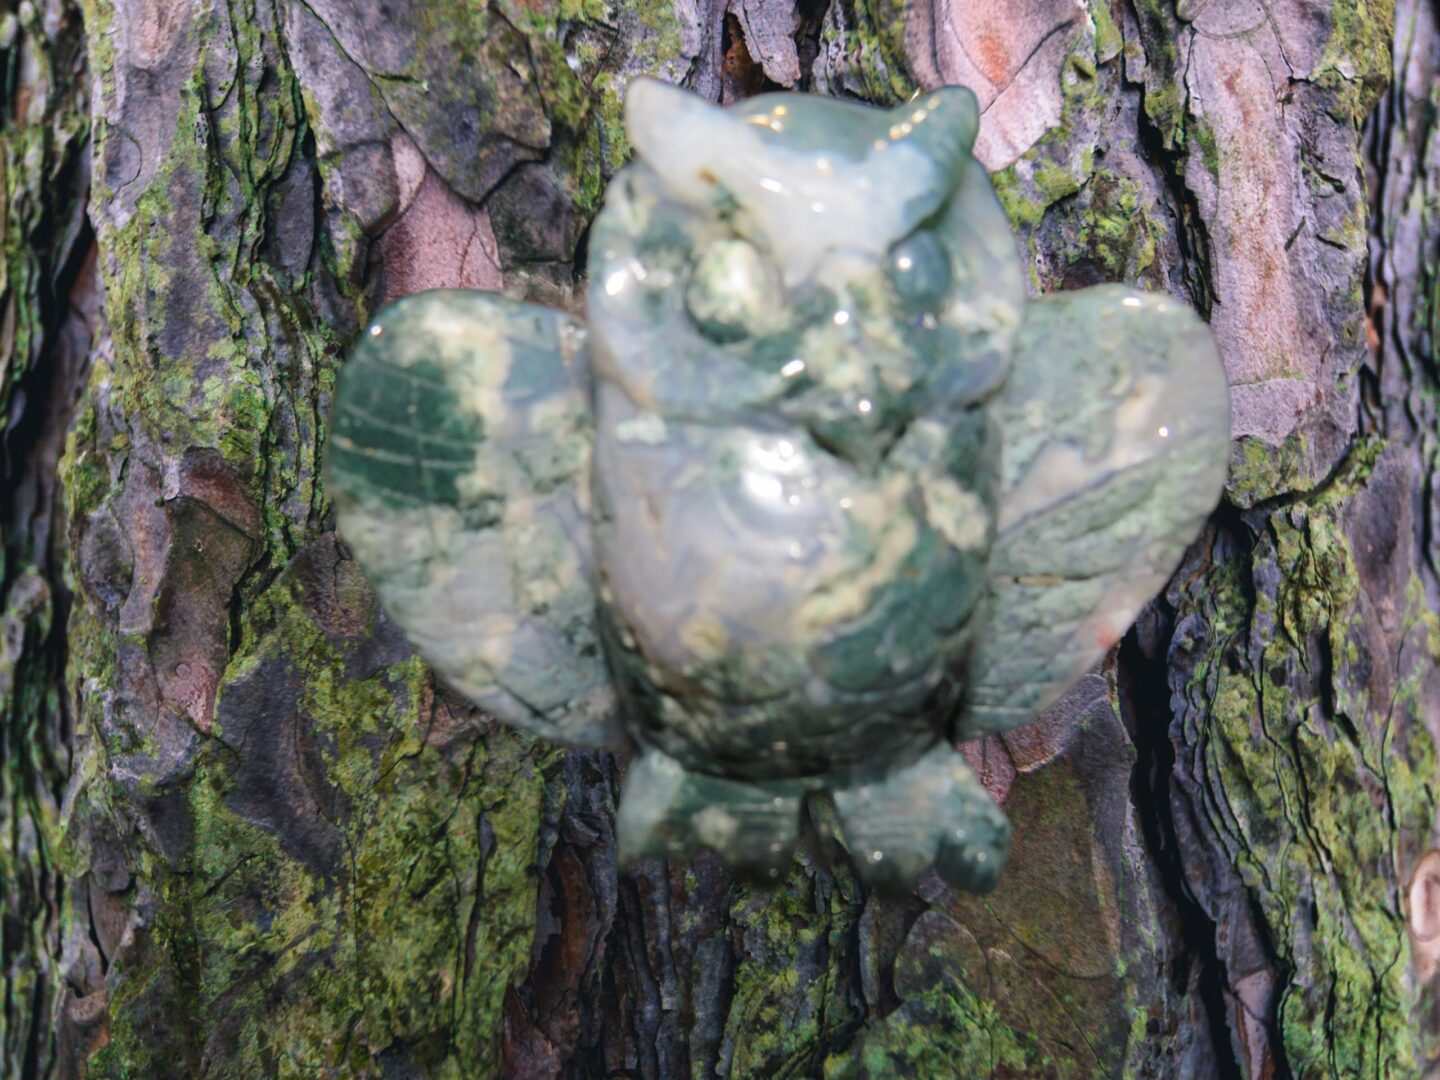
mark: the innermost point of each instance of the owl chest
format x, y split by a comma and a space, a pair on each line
753, 563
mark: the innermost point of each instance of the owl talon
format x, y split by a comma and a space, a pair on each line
933, 813
667, 811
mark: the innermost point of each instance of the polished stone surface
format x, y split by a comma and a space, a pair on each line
816, 491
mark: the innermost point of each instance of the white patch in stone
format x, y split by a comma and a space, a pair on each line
705, 637
716, 827
847, 596
957, 514
647, 428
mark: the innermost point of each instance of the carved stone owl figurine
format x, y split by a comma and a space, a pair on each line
816, 493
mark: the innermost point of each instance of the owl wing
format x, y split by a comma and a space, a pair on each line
1116, 438
459, 464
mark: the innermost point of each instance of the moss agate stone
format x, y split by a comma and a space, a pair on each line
814, 494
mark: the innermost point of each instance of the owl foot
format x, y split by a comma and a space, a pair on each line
934, 813
669, 811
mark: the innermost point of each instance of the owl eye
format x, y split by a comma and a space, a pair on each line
733, 293
919, 271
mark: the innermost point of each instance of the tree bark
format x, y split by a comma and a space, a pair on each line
246, 833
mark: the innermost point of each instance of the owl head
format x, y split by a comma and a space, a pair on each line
800, 260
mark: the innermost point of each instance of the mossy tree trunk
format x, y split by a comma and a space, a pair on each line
246, 834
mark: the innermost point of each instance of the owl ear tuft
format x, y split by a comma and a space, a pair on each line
942, 124
676, 132
653, 105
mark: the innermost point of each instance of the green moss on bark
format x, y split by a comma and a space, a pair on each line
1321, 785
867, 38
385, 936
1356, 64
43, 118
783, 1015
280, 963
